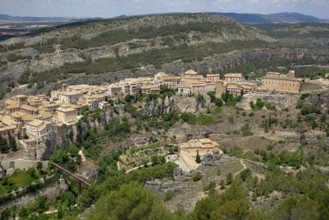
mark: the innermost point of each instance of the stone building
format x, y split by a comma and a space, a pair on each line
39, 130
184, 89
213, 77
67, 115
68, 97
150, 90
233, 77
281, 83
189, 150
169, 80
234, 88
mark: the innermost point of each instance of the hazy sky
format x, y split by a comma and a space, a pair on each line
112, 8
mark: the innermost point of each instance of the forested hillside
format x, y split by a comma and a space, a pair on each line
129, 44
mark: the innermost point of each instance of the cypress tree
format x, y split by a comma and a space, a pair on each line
198, 158
4, 148
12, 143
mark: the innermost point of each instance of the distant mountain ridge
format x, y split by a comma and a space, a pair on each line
4, 18
249, 18
278, 18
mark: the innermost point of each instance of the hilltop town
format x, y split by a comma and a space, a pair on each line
35, 122
174, 116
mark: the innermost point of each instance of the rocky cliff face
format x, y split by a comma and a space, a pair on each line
213, 63
280, 101
52, 49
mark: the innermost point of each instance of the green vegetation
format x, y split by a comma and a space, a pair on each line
189, 118
217, 101
197, 158
229, 99
258, 68
20, 178
8, 145
258, 105
295, 30
130, 201
246, 130
4, 147
122, 195
178, 31
13, 57
114, 182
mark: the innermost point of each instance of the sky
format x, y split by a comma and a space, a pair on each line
113, 8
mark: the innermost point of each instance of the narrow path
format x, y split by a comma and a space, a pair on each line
136, 168
244, 167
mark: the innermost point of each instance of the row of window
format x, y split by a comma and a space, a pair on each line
282, 83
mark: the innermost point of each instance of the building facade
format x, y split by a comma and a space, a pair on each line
281, 83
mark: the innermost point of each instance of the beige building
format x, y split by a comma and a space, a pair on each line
20, 99
213, 77
184, 89
233, 77
281, 83
67, 114
203, 146
27, 109
150, 90
69, 98
189, 150
234, 88
115, 91
134, 85
7, 130
169, 80
39, 130
191, 76
7, 127
191, 82
52, 106
12, 108
199, 88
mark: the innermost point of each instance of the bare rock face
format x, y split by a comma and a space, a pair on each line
211, 160
89, 171
280, 101
165, 186
50, 61
187, 104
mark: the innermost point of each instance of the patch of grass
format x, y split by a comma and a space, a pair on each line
217, 111
22, 178
3, 190
205, 120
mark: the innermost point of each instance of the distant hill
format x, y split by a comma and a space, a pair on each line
279, 18
4, 18
126, 45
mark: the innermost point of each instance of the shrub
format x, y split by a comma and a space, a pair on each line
197, 177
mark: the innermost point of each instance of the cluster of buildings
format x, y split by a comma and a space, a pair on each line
34, 120
234, 83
